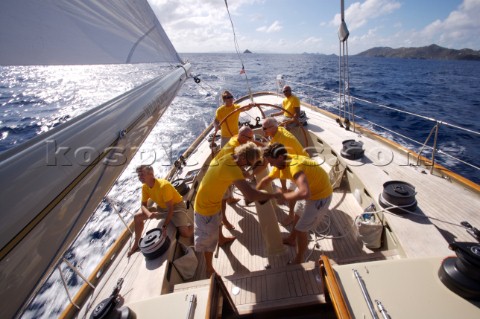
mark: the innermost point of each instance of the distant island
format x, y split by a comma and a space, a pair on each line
433, 51
247, 51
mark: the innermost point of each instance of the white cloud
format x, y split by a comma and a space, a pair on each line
198, 25
359, 14
204, 26
459, 30
274, 27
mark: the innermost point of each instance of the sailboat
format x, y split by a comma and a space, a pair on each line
423, 261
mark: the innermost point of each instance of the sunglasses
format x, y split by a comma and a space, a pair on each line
266, 128
228, 97
286, 91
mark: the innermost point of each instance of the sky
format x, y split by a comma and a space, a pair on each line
298, 26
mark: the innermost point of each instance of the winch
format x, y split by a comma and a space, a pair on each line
399, 195
461, 274
352, 149
154, 243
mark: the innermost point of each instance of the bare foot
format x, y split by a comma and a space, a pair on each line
287, 221
288, 241
133, 250
225, 240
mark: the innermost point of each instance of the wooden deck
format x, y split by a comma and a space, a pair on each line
442, 205
243, 263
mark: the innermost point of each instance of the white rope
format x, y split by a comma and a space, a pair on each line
323, 231
402, 208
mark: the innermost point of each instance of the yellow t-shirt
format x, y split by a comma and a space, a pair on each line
161, 193
290, 142
290, 104
221, 173
317, 178
229, 147
229, 128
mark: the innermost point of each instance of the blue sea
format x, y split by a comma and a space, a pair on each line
35, 99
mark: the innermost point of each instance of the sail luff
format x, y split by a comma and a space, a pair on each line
68, 189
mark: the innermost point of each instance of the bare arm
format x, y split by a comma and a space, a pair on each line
252, 194
297, 113
276, 114
303, 189
169, 214
261, 184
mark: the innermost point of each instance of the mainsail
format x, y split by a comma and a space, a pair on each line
53, 183
55, 32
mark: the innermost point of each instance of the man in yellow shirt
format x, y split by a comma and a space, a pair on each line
291, 105
228, 128
167, 199
278, 134
245, 134
220, 175
312, 195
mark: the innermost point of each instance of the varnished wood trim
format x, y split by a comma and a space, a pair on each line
333, 289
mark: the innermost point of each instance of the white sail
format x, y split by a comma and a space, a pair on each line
56, 32
53, 183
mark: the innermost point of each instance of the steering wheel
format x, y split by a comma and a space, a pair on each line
259, 105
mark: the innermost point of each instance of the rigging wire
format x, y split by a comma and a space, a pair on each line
237, 50
431, 119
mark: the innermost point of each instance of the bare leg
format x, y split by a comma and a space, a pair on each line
290, 240
291, 213
186, 231
209, 270
138, 221
225, 222
302, 244
222, 240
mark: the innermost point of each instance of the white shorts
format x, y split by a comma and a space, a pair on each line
311, 213
206, 231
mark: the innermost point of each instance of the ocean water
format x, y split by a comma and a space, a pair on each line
35, 99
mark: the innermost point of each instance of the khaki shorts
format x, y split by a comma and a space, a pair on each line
181, 215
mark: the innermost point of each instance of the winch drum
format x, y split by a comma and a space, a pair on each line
398, 193
154, 243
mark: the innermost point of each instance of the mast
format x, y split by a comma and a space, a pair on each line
345, 106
